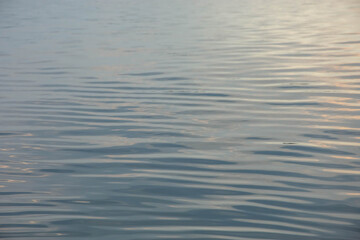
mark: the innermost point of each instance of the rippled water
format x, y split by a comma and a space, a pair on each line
180, 119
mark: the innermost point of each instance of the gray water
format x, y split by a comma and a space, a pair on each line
179, 119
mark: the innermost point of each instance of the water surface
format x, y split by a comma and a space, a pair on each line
180, 119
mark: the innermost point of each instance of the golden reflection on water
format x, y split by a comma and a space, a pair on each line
12, 181
344, 157
345, 171
331, 143
352, 194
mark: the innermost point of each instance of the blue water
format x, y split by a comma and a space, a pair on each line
179, 119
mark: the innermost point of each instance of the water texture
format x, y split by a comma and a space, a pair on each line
179, 119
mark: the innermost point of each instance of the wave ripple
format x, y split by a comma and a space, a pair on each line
180, 119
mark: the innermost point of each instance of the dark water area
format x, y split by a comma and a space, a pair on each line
179, 119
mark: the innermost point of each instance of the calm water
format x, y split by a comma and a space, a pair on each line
167, 119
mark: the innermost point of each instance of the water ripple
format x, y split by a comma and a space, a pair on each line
179, 120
